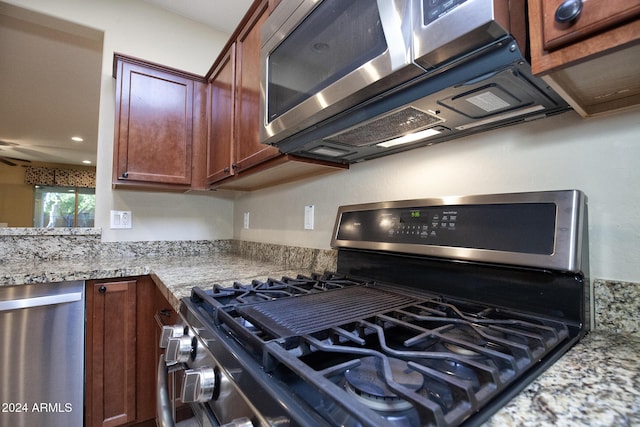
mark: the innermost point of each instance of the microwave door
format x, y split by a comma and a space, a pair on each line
337, 55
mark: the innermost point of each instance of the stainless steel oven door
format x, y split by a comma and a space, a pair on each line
319, 58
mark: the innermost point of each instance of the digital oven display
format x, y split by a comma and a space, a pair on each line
526, 227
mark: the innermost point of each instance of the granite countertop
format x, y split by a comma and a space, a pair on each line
597, 383
174, 275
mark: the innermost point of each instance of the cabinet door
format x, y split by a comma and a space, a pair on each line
111, 353
222, 109
593, 18
249, 150
154, 125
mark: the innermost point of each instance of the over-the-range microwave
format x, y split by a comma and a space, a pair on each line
352, 80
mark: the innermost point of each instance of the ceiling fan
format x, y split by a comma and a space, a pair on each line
11, 161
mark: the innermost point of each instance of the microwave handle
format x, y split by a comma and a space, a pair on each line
399, 45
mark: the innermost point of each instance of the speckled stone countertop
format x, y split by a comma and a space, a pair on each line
597, 383
175, 275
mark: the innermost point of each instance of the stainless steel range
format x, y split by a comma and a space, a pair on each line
439, 312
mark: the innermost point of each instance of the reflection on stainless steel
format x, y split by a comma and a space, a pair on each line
42, 354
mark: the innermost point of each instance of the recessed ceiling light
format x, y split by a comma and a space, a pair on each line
77, 139
86, 162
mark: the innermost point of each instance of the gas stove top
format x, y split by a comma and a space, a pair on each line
400, 335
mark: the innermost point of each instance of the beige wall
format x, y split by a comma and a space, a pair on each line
135, 28
598, 156
16, 197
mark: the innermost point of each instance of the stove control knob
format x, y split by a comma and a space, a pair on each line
170, 331
179, 349
198, 385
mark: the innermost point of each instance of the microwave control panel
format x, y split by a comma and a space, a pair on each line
434, 9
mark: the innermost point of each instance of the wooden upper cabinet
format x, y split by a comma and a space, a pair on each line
234, 102
155, 132
592, 60
249, 150
222, 113
236, 160
176, 131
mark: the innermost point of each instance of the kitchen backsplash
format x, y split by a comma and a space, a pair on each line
616, 307
318, 260
50, 244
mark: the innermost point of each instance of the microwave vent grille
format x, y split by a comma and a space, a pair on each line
384, 128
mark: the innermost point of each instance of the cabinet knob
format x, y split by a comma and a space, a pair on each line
125, 175
568, 11
226, 170
102, 289
234, 166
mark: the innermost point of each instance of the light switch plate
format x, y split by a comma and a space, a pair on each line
308, 217
121, 219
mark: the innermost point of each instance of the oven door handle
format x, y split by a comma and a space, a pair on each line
163, 403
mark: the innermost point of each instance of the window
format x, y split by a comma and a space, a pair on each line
63, 206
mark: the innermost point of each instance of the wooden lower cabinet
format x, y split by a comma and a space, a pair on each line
121, 351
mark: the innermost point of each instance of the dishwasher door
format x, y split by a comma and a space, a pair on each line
42, 354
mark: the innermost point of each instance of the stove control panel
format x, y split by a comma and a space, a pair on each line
539, 229
527, 227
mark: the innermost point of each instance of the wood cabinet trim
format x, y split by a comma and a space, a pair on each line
119, 57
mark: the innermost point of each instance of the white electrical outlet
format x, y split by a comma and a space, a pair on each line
308, 217
245, 223
121, 219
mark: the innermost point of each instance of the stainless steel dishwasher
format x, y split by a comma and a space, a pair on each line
42, 354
